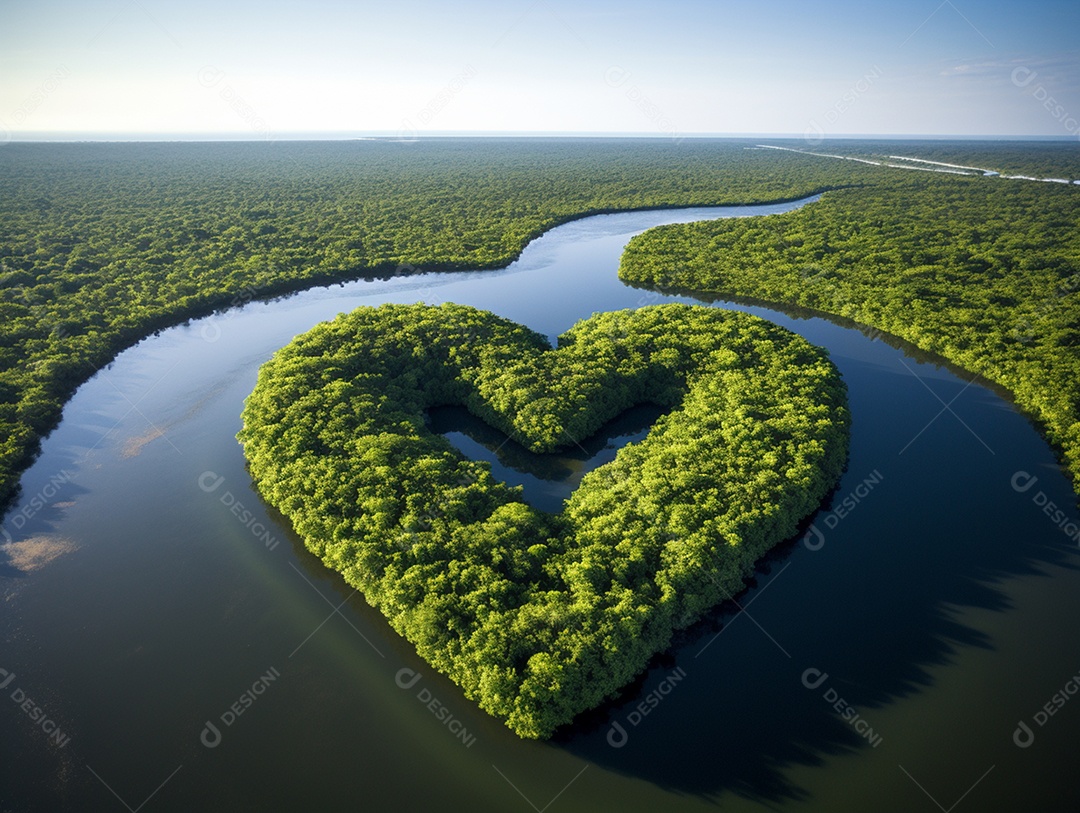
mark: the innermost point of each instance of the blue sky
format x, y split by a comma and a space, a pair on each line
276, 69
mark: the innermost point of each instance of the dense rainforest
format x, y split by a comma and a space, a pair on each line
102, 244
982, 271
539, 616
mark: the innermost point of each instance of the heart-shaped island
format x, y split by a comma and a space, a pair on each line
540, 616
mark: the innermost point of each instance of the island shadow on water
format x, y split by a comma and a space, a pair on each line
725, 710
601, 735
754, 720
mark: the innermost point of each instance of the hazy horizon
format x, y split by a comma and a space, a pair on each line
151, 137
147, 69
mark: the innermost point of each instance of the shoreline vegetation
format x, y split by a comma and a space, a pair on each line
102, 245
538, 616
986, 276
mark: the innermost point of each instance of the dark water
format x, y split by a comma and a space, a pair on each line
150, 592
547, 479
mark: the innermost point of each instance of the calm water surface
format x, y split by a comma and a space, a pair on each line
149, 592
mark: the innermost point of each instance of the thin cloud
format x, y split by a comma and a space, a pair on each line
1055, 64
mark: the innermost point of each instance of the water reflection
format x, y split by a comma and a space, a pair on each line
547, 479
914, 587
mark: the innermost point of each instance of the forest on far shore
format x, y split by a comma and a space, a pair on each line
103, 244
984, 272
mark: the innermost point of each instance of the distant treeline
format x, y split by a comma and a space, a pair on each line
102, 244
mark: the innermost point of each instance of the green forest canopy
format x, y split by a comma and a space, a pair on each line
984, 272
538, 616
102, 244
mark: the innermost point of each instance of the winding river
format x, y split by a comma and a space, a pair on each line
169, 645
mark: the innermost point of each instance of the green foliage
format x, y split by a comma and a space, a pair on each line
102, 244
538, 616
982, 271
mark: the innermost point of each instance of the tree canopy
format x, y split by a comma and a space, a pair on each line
102, 244
539, 616
982, 271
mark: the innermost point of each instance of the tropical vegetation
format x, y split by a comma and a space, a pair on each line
984, 272
539, 616
102, 244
